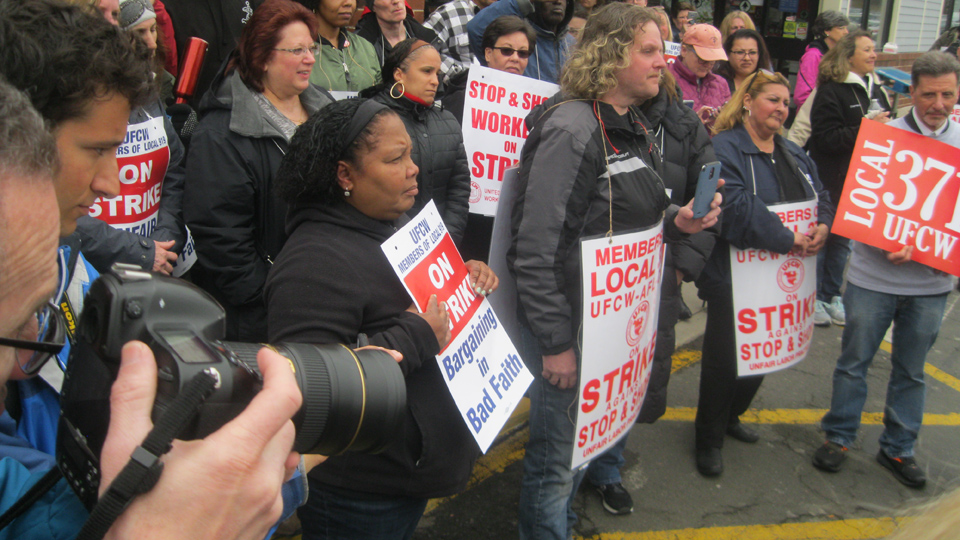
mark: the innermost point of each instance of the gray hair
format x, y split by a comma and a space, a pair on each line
27, 149
934, 64
827, 20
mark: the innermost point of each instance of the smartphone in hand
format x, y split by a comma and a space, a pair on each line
706, 187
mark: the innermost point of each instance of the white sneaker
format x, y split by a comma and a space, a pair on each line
835, 309
820, 315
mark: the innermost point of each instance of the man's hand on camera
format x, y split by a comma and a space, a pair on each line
226, 486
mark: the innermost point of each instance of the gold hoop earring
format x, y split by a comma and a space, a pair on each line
402, 90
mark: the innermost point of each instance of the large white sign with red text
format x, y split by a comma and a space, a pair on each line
902, 190
495, 106
480, 365
621, 301
142, 159
774, 297
955, 115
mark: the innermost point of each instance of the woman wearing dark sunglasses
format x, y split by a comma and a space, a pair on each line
760, 168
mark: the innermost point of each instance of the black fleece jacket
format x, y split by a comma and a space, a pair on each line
331, 282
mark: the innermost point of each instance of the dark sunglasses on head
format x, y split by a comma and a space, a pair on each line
508, 51
756, 74
51, 337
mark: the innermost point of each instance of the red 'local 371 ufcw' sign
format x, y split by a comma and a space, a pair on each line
480, 365
901, 190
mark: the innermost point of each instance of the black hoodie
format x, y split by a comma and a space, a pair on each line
331, 282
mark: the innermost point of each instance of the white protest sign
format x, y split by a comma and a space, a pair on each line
494, 108
142, 160
480, 365
773, 298
621, 300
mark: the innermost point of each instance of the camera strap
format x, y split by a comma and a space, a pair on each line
143, 470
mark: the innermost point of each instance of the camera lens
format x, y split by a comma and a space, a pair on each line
352, 400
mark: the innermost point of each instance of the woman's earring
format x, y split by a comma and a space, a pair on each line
346, 193
402, 90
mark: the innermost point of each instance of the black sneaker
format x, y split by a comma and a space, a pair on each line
615, 499
904, 469
829, 457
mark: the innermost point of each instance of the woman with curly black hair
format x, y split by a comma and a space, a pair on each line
349, 177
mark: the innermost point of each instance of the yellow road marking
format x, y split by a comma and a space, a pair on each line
932, 371
804, 416
847, 529
684, 358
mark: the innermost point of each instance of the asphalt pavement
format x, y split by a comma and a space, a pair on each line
769, 490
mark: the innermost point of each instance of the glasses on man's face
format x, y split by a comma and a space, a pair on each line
741, 53
509, 51
50, 338
312, 50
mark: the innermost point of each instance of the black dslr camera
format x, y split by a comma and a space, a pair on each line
352, 400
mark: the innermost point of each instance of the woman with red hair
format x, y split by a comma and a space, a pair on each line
248, 116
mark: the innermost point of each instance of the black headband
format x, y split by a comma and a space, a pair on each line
365, 113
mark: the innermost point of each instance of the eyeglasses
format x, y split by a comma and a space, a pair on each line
744, 53
312, 50
508, 51
51, 337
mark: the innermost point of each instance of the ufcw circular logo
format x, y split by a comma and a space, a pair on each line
637, 323
790, 275
474, 192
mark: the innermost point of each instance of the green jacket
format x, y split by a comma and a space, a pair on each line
353, 68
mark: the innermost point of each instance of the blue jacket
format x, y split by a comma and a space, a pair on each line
751, 184
552, 47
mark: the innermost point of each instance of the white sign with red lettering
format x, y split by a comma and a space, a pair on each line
494, 109
671, 51
480, 365
774, 297
621, 304
955, 115
142, 159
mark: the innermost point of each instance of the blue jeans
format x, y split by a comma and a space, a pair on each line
333, 516
831, 261
916, 322
548, 486
605, 469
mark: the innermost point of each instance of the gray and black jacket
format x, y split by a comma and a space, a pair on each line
564, 196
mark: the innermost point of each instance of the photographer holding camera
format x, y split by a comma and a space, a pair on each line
81, 75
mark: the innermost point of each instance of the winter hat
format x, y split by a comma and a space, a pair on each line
134, 12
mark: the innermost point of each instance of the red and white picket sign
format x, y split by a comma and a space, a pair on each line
902, 190
482, 369
621, 305
774, 296
494, 109
142, 159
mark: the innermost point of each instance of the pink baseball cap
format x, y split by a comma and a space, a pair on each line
706, 40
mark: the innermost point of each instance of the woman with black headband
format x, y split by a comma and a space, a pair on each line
409, 87
349, 178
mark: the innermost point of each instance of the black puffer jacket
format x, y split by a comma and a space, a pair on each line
236, 220
684, 148
331, 282
438, 151
835, 119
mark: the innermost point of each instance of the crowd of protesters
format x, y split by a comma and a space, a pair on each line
314, 142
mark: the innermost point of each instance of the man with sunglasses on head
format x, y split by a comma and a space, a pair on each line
82, 77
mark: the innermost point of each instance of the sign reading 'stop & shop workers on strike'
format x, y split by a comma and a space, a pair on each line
494, 131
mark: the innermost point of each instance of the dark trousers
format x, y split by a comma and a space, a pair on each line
333, 516
723, 396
